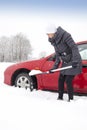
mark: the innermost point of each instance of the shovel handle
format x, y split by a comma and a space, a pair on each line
63, 68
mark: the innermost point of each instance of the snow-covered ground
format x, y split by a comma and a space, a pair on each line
21, 109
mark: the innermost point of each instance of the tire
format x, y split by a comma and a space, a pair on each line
23, 80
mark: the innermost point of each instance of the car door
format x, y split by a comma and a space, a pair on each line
80, 81
50, 81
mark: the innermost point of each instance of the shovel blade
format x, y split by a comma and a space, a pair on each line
35, 72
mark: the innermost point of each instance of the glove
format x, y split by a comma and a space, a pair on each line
74, 64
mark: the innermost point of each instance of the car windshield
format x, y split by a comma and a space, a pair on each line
83, 51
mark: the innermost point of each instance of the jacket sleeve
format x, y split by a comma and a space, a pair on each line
57, 61
75, 52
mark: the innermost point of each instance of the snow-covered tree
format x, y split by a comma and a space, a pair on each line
4, 45
15, 48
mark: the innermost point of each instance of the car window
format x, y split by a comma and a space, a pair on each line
52, 58
83, 51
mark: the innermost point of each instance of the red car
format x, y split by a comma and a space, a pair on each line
18, 74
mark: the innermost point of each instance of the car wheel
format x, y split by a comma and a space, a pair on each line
23, 80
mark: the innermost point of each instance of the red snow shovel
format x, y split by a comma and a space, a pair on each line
36, 72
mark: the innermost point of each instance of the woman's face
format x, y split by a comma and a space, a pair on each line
51, 35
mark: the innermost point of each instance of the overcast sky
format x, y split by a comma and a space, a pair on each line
31, 18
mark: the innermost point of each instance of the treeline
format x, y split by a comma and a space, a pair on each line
15, 48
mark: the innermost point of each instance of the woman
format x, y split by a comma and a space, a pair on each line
67, 51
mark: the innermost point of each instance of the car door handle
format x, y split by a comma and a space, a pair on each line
84, 65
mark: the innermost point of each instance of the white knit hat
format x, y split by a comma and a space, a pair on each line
51, 28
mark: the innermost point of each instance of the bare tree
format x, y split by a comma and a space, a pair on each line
4, 45
15, 48
22, 47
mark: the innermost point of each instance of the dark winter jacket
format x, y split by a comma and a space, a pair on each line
67, 51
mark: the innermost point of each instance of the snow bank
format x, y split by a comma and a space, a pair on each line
21, 109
